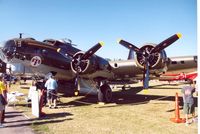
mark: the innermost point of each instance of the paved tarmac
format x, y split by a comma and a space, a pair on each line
16, 123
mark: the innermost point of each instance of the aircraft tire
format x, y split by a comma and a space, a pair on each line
100, 96
123, 88
106, 94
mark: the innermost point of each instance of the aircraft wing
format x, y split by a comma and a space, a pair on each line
128, 69
181, 64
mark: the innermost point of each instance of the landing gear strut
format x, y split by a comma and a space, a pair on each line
105, 93
77, 86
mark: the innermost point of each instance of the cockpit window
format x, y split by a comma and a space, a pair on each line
174, 62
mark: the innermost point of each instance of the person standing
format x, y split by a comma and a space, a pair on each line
51, 86
7, 87
188, 100
3, 100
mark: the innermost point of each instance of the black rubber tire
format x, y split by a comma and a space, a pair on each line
100, 96
106, 93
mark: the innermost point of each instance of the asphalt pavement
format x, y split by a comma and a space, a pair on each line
16, 123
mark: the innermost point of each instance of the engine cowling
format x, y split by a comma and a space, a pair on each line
79, 65
82, 66
156, 60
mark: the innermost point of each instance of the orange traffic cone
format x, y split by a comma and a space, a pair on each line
177, 118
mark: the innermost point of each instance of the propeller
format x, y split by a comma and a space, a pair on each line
87, 54
146, 74
80, 61
92, 50
148, 53
129, 45
166, 43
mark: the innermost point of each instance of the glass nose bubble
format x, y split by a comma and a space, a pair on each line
2, 56
8, 49
2, 44
5, 50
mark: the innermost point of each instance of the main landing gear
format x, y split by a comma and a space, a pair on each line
105, 93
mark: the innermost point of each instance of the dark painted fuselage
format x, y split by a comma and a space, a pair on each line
42, 58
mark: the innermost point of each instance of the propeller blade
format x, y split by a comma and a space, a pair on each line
92, 50
129, 45
146, 75
166, 43
77, 85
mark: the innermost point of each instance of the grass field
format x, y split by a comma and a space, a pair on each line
127, 114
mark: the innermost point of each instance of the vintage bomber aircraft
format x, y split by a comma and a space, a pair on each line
85, 70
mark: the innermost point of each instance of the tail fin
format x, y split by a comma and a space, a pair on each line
131, 55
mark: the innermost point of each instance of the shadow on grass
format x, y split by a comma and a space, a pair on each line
121, 97
29, 123
47, 119
92, 99
23, 87
23, 83
125, 97
11, 116
181, 104
55, 115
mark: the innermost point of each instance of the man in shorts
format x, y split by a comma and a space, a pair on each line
51, 86
3, 100
188, 100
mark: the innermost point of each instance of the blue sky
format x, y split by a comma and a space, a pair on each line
87, 22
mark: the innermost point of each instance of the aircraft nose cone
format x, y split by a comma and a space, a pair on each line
7, 50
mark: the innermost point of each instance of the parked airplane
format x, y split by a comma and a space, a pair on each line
85, 70
15, 70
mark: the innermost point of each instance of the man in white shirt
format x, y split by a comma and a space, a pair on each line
51, 86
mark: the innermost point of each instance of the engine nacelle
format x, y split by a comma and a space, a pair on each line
156, 60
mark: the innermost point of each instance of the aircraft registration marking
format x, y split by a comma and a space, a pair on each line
36, 61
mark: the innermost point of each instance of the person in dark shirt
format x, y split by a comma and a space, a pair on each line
188, 100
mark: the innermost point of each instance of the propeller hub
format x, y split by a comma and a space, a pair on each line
78, 64
146, 55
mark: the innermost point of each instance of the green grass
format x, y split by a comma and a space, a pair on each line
127, 114
40, 129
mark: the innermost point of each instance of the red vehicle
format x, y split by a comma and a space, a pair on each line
179, 77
